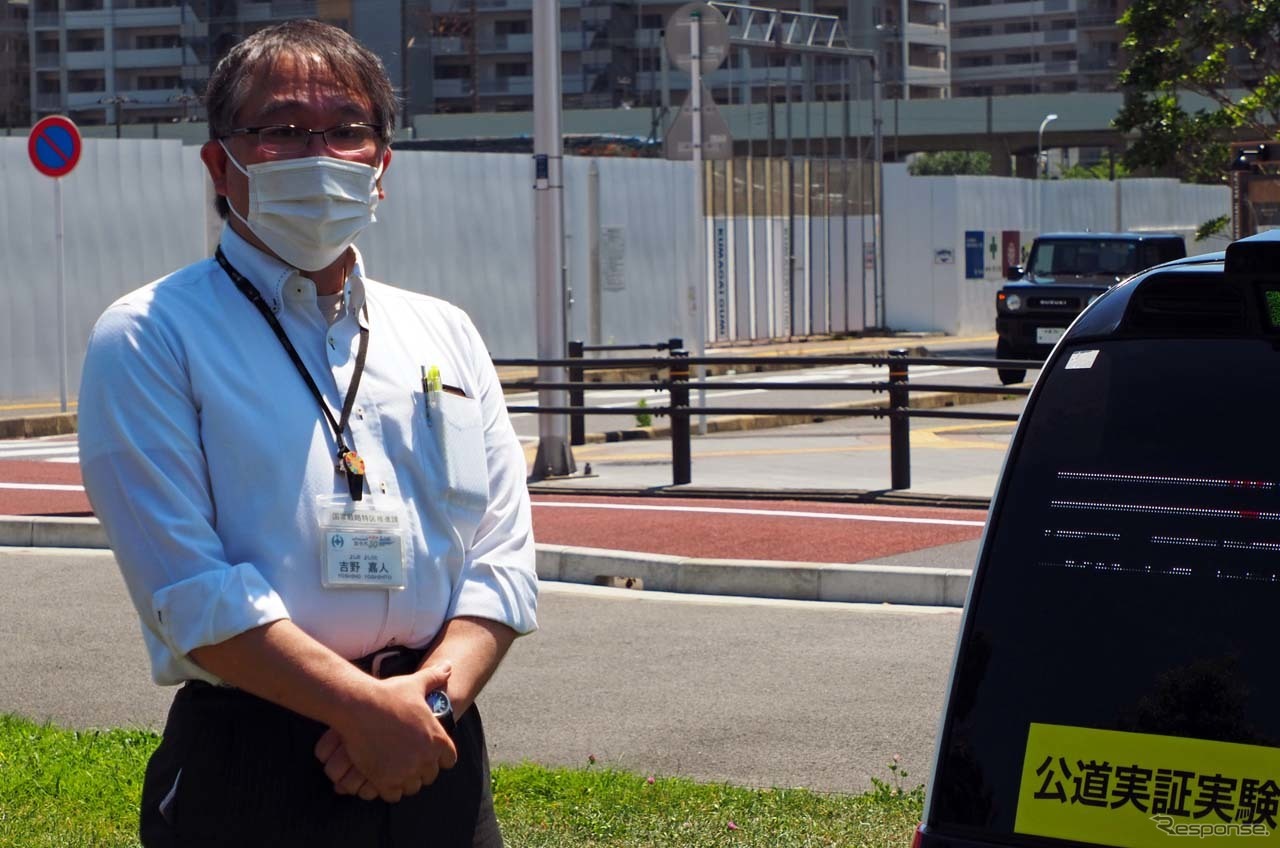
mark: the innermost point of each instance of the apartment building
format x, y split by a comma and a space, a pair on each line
127, 61
1034, 46
15, 96
477, 55
142, 61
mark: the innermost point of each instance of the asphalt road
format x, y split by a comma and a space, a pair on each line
754, 692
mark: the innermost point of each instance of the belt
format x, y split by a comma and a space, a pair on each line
390, 662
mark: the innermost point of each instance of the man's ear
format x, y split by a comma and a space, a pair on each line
386, 163
215, 161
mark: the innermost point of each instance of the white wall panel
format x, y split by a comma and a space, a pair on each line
133, 210
925, 294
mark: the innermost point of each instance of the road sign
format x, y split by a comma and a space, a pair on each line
54, 146
717, 143
714, 35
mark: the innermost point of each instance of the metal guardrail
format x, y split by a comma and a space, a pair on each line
678, 384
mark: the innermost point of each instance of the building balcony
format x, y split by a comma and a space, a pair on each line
483, 6
49, 102
276, 10
1011, 41
918, 75
1094, 19
1013, 11
521, 43
47, 61
928, 34
162, 57
1005, 73
1099, 64
86, 60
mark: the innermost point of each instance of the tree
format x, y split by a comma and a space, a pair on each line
1096, 171
1225, 50
949, 163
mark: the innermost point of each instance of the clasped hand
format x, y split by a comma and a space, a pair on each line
392, 746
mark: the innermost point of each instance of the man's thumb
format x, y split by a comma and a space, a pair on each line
434, 676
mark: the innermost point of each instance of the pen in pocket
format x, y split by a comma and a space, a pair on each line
431, 385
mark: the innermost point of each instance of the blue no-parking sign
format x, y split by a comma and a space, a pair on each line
54, 146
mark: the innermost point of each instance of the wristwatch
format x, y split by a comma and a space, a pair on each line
442, 708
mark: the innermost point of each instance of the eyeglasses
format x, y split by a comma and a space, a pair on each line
286, 139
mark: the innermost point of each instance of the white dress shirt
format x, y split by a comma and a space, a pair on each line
204, 455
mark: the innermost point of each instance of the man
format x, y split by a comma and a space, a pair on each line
312, 488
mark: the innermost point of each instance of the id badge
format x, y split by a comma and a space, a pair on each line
362, 543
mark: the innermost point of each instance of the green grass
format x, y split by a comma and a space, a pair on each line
62, 788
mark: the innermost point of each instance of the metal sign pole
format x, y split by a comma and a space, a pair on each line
62, 292
701, 299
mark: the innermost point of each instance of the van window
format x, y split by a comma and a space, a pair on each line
1131, 578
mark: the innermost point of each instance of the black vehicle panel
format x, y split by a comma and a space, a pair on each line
1129, 580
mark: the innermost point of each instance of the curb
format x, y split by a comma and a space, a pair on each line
793, 581
37, 531
886, 497
797, 581
35, 426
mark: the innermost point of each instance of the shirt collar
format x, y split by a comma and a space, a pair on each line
279, 282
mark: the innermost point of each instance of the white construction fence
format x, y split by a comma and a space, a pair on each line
459, 225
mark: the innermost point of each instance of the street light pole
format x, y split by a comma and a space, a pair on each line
554, 458
1041, 160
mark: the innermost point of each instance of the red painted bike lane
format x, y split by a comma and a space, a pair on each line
690, 527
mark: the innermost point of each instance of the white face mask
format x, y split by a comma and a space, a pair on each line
310, 210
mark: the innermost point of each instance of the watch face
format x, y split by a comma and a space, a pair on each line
438, 703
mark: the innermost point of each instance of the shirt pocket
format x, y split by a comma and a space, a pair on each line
457, 425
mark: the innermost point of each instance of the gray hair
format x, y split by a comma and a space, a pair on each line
345, 58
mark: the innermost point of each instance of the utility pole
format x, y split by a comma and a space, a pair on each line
554, 458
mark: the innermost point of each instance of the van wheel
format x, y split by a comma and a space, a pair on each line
1008, 376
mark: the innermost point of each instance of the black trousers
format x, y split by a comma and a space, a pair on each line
233, 770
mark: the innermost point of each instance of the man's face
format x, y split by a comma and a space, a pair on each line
294, 90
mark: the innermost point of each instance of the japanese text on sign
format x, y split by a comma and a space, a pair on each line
1132, 789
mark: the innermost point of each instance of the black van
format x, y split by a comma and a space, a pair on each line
1116, 680
1065, 272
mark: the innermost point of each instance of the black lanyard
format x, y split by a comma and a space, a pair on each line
349, 462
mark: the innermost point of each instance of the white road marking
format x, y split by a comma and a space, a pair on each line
42, 487
836, 516
11, 453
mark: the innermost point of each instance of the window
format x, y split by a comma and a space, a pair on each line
973, 31
156, 82
973, 61
158, 42
513, 69
453, 72
80, 41
1018, 58
516, 27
